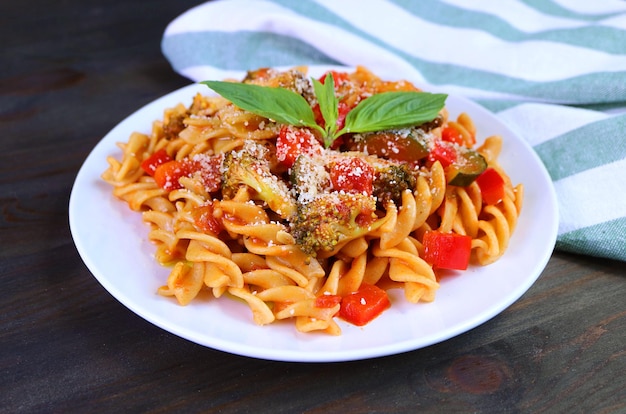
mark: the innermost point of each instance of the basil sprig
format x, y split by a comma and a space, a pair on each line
386, 110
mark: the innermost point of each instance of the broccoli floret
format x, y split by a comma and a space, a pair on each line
250, 166
333, 218
391, 180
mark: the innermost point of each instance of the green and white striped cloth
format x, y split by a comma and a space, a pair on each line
553, 70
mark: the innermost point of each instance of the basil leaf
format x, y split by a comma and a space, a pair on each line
328, 102
397, 109
279, 104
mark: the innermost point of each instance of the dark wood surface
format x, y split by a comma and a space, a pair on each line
71, 70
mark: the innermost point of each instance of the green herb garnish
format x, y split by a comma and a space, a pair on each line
329, 107
278, 104
387, 110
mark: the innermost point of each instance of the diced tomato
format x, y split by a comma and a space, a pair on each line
205, 220
150, 164
352, 175
447, 250
210, 168
364, 305
444, 152
327, 301
491, 186
450, 134
167, 174
293, 141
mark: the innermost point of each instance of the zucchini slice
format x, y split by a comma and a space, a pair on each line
468, 166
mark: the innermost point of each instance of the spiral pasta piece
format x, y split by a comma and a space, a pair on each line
406, 266
496, 228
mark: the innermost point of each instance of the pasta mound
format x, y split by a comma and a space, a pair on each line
237, 216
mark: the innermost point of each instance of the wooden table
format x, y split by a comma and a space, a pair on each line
71, 70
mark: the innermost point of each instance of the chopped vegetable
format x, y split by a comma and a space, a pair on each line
352, 175
167, 174
292, 142
447, 250
444, 152
210, 169
491, 186
462, 165
150, 164
250, 167
469, 164
330, 219
204, 219
364, 305
390, 181
450, 134
400, 145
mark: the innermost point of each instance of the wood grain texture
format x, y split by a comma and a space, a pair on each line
71, 71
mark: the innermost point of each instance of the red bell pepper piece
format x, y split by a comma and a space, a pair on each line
150, 164
450, 134
444, 152
491, 186
364, 305
447, 250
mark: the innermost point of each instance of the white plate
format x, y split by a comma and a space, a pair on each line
112, 241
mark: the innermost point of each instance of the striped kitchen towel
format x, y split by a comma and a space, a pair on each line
553, 70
